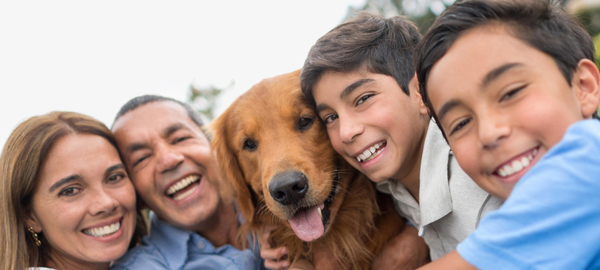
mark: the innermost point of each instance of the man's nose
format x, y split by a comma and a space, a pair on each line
168, 159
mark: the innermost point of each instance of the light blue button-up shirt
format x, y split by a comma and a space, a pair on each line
169, 247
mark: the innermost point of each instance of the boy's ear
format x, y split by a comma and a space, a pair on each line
413, 87
587, 87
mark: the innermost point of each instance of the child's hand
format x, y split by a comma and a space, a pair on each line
407, 250
275, 257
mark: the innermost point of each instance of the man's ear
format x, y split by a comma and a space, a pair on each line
587, 87
413, 87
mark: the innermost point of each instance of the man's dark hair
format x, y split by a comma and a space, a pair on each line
542, 24
369, 41
136, 102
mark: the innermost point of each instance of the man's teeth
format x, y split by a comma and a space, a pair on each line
517, 165
183, 195
183, 183
103, 231
370, 153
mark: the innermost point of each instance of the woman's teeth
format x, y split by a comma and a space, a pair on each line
370, 153
103, 231
517, 165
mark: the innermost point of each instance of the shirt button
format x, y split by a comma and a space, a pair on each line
201, 245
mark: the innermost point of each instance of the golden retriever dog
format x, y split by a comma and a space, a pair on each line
276, 155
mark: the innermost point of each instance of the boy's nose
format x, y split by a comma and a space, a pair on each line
349, 129
492, 131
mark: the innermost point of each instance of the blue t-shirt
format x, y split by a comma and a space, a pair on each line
551, 220
169, 247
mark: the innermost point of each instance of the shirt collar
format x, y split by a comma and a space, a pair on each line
170, 240
434, 191
398, 191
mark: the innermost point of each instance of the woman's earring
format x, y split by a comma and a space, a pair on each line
35, 236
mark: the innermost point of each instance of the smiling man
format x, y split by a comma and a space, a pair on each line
169, 162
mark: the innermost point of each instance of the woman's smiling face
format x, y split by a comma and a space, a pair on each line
84, 202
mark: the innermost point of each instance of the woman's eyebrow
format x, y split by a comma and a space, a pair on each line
63, 181
113, 168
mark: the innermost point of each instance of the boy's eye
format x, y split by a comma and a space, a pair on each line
363, 98
69, 191
330, 118
460, 125
511, 93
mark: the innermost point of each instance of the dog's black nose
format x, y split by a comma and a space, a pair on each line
288, 187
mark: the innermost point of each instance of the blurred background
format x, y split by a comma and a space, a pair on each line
93, 56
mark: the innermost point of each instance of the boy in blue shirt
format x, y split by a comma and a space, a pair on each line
509, 82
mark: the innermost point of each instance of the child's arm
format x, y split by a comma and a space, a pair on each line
550, 220
407, 250
450, 261
274, 257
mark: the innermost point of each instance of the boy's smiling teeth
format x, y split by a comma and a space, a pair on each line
371, 152
182, 184
516, 165
104, 230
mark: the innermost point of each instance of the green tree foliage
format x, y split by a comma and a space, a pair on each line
204, 99
421, 12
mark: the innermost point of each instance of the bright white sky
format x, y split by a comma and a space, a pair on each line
93, 56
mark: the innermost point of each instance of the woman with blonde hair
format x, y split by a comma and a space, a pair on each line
65, 198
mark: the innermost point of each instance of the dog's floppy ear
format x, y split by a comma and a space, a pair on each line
233, 184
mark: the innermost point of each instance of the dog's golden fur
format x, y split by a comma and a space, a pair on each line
274, 115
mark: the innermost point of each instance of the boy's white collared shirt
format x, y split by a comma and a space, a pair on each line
451, 204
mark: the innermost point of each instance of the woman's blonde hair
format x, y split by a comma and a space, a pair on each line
23, 155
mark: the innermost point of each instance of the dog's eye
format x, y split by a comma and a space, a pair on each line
249, 144
304, 123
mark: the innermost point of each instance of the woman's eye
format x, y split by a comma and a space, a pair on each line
460, 125
330, 118
69, 191
363, 98
114, 178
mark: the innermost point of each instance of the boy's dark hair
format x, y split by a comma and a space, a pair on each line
542, 24
136, 102
368, 41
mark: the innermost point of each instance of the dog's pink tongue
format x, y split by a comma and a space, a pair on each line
307, 224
